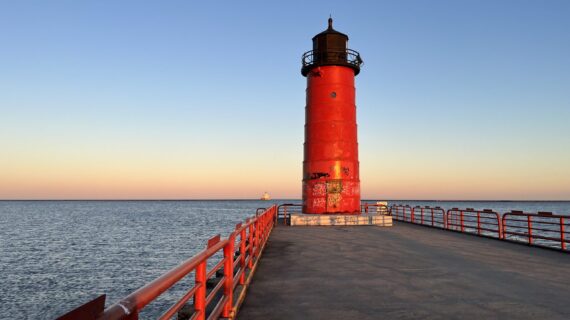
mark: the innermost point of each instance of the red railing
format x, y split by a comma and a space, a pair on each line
429, 216
542, 229
401, 213
237, 270
375, 208
284, 212
481, 222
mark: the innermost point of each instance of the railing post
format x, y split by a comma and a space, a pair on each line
250, 241
562, 240
499, 225
262, 223
229, 275
242, 256
277, 215
275, 223
254, 234
200, 295
504, 226
461, 219
478, 223
256, 237
529, 225
261, 231
274, 212
265, 227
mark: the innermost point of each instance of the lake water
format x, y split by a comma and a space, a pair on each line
56, 255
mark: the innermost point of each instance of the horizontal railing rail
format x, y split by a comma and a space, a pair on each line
232, 270
538, 229
347, 56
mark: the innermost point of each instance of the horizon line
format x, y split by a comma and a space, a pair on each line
287, 199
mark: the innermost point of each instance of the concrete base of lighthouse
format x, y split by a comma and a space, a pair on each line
300, 219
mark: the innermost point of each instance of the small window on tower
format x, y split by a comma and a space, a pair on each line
333, 94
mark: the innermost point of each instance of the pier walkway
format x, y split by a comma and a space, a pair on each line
404, 272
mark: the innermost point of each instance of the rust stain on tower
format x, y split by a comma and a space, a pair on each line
331, 182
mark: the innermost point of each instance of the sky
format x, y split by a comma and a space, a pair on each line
456, 100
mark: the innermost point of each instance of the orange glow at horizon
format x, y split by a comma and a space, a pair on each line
84, 177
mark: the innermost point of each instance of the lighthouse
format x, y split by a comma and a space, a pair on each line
331, 182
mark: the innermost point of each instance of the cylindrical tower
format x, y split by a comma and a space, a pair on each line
331, 182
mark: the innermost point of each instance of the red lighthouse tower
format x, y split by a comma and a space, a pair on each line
331, 182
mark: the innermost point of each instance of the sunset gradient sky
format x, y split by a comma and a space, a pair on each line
186, 100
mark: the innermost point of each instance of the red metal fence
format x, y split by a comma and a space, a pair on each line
402, 213
375, 208
233, 270
542, 229
481, 222
284, 212
430, 216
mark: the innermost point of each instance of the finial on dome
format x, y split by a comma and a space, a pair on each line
330, 22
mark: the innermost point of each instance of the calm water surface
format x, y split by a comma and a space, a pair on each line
59, 254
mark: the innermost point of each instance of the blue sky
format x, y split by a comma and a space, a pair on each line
181, 99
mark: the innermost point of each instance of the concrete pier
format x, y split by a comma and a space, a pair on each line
404, 272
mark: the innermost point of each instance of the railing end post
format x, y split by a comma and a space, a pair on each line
88, 311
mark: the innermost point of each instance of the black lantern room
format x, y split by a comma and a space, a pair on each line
330, 47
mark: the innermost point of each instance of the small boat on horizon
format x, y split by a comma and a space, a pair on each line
265, 196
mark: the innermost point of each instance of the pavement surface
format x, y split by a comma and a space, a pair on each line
404, 272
